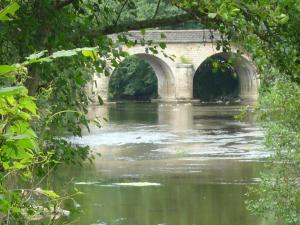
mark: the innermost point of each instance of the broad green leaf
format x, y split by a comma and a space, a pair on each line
22, 127
9, 10
9, 91
64, 53
20, 137
49, 193
18, 165
89, 53
11, 100
24, 115
7, 69
36, 55
28, 103
20, 153
283, 19
27, 143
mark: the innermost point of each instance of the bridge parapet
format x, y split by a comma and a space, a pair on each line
174, 36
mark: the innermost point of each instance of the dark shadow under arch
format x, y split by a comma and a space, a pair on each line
225, 76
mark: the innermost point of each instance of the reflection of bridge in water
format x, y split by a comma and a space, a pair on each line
179, 117
175, 78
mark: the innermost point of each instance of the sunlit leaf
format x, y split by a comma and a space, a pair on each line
89, 53
9, 91
64, 53
9, 10
36, 55
212, 15
7, 69
49, 193
28, 103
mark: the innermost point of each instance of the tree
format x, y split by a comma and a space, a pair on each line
24, 154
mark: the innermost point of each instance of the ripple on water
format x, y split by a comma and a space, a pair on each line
245, 143
123, 138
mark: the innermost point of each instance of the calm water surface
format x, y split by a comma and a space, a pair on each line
167, 164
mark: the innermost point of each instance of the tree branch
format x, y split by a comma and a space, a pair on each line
121, 10
156, 10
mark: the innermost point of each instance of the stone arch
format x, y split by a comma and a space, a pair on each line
164, 74
245, 70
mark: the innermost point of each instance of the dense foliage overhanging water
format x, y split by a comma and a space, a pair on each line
168, 164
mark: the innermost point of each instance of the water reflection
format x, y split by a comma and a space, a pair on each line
179, 117
202, 158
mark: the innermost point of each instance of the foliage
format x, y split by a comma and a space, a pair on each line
23, 153
267, 30
280, 185
185, 60
133, 79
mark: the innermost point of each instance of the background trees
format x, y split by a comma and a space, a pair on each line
133, 79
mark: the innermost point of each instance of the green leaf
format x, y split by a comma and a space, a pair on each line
5, 165
100, 100
89, 53
28, 103
9, 10
36, 55
162, 45
18, 166
20, 137
7, 69
9, 91
32, 61
212, 15
22, 127
143, 31
49, 193
11, 100
64, 53
19, 154
283, 19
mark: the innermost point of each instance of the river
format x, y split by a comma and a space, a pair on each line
167, 164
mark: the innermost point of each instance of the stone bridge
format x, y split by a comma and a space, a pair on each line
191, 49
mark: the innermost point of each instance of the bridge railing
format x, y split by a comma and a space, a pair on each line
174, 36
